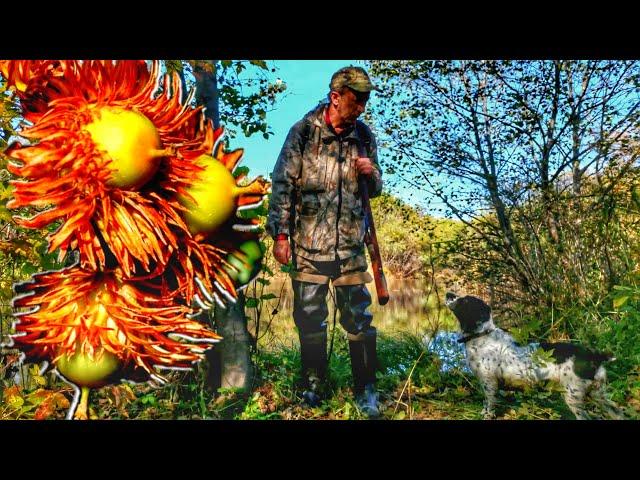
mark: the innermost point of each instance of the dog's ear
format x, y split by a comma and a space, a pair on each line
480, 309
450, 297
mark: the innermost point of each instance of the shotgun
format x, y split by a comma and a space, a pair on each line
370, 238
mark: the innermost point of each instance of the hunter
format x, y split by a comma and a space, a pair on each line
316, 219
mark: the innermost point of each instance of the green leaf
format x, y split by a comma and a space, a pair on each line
15, 401
249, 214
173, 65
268, 296
5, 215
620, 301
286, 268
541, 357
521, 335
28, 268
400, 415
6, 192
149, 399
243, 170
251, 302
622, 288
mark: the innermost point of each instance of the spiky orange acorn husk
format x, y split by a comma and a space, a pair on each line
31, 80
68, 172
132, 233
205, 254
38, 82
78, 311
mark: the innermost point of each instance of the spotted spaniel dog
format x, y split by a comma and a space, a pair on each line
495, 358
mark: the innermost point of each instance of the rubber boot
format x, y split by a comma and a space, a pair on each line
313, 353
362, 349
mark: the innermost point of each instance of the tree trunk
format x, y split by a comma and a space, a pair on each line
511, 246
230, 360
207, 89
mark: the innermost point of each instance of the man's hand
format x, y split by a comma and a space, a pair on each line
282, 251
364, 166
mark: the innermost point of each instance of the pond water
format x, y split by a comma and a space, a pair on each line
414, 307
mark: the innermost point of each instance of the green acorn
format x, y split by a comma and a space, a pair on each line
245, 262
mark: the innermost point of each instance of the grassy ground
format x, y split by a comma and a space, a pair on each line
410, 382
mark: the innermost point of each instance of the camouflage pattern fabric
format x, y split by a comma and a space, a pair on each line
315, 198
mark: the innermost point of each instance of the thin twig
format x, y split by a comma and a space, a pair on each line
407, 382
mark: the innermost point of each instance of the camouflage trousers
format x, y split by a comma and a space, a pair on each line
310, 282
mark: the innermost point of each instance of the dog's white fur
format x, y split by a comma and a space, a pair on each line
494, 356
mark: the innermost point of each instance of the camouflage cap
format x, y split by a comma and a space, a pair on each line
355, 78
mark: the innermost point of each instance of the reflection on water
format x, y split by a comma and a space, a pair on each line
414, 307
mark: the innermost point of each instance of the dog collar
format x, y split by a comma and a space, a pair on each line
474, 335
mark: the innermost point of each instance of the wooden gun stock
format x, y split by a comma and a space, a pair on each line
371, 240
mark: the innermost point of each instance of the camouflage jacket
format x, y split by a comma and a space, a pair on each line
315, 198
